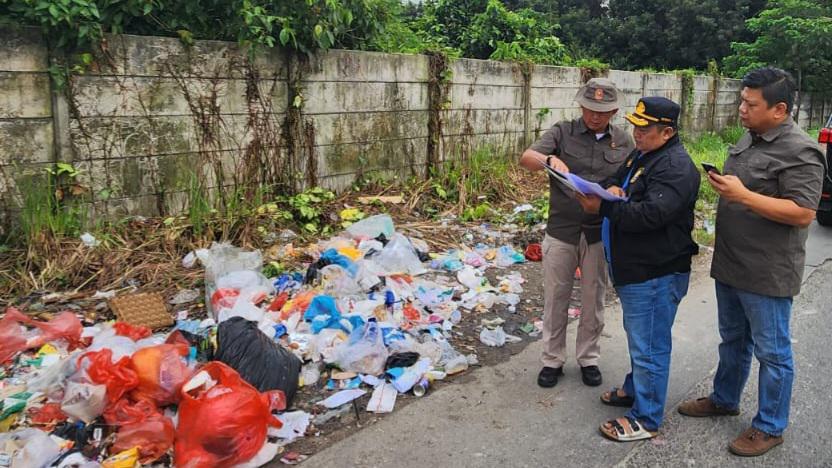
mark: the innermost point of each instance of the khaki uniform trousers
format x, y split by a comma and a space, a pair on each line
560, 259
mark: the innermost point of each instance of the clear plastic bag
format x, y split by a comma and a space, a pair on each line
399, 256
364, 352
372, 227
224, 258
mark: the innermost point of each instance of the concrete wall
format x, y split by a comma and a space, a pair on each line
152, 116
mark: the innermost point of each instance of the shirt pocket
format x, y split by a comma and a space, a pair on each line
575, 155
760, 177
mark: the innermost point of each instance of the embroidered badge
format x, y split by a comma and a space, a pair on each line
599, 94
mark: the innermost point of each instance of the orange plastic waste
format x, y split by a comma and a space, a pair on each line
298, 304
162, 371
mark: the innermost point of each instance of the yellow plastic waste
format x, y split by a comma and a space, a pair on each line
47, 349
350, 252
126, 459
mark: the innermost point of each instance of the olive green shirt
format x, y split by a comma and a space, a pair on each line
588, 157
753, 253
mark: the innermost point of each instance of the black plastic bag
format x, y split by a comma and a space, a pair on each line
260, 360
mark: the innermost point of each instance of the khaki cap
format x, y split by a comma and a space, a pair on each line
599, 95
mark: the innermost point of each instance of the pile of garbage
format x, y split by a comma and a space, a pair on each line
374, 312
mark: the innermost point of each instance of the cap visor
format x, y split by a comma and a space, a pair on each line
637, 121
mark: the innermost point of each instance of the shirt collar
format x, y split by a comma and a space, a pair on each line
582, 128
775, 132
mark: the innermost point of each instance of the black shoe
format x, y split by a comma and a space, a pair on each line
548, 376
591, 376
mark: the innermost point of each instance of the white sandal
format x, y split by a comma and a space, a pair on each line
625, 430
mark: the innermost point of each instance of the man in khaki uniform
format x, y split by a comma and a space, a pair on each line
593, 149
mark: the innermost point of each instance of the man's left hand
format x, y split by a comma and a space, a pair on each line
729, 187
591, 204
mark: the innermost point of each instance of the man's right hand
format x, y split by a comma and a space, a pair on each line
558, 165
616, 190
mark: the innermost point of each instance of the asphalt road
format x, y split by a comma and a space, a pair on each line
500, 417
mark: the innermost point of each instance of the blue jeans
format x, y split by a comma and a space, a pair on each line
649, 311
752, 323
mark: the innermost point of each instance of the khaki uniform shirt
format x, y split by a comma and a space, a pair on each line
753, 253
588, 157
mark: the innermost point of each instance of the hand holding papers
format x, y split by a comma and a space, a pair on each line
581, 185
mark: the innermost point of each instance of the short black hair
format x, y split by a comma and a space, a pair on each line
776, 84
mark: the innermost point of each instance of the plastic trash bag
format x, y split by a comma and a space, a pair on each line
120, 346
125, 412
399, 256
224, 258
223, 421
497, 337
83, 401
337, 281
50, 381
153, 436
258, 359
134, 332
507, 256
119, 377
39, 450
364, 352
13, 340
372, 227
161, 370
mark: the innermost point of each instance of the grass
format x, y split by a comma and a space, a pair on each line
711, 148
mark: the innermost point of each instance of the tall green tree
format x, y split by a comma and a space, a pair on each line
792, 34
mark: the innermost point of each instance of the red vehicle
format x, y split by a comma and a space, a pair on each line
824, 213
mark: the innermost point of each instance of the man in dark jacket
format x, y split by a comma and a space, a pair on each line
648, 241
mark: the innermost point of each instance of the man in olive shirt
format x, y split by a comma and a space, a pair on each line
768, 197
593, 149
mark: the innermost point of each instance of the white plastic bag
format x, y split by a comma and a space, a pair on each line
39, 450
83, 401
364, 352
399, 256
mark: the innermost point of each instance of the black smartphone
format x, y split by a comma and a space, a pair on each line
710, 168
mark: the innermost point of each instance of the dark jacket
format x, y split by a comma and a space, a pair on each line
650, 234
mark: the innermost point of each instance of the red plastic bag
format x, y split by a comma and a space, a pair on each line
134, 332
64, 326
154, 436
119, 378
162, 371
125, 412
177, 338
47, 414
226, 424
534, 253
224, 298
279, 302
